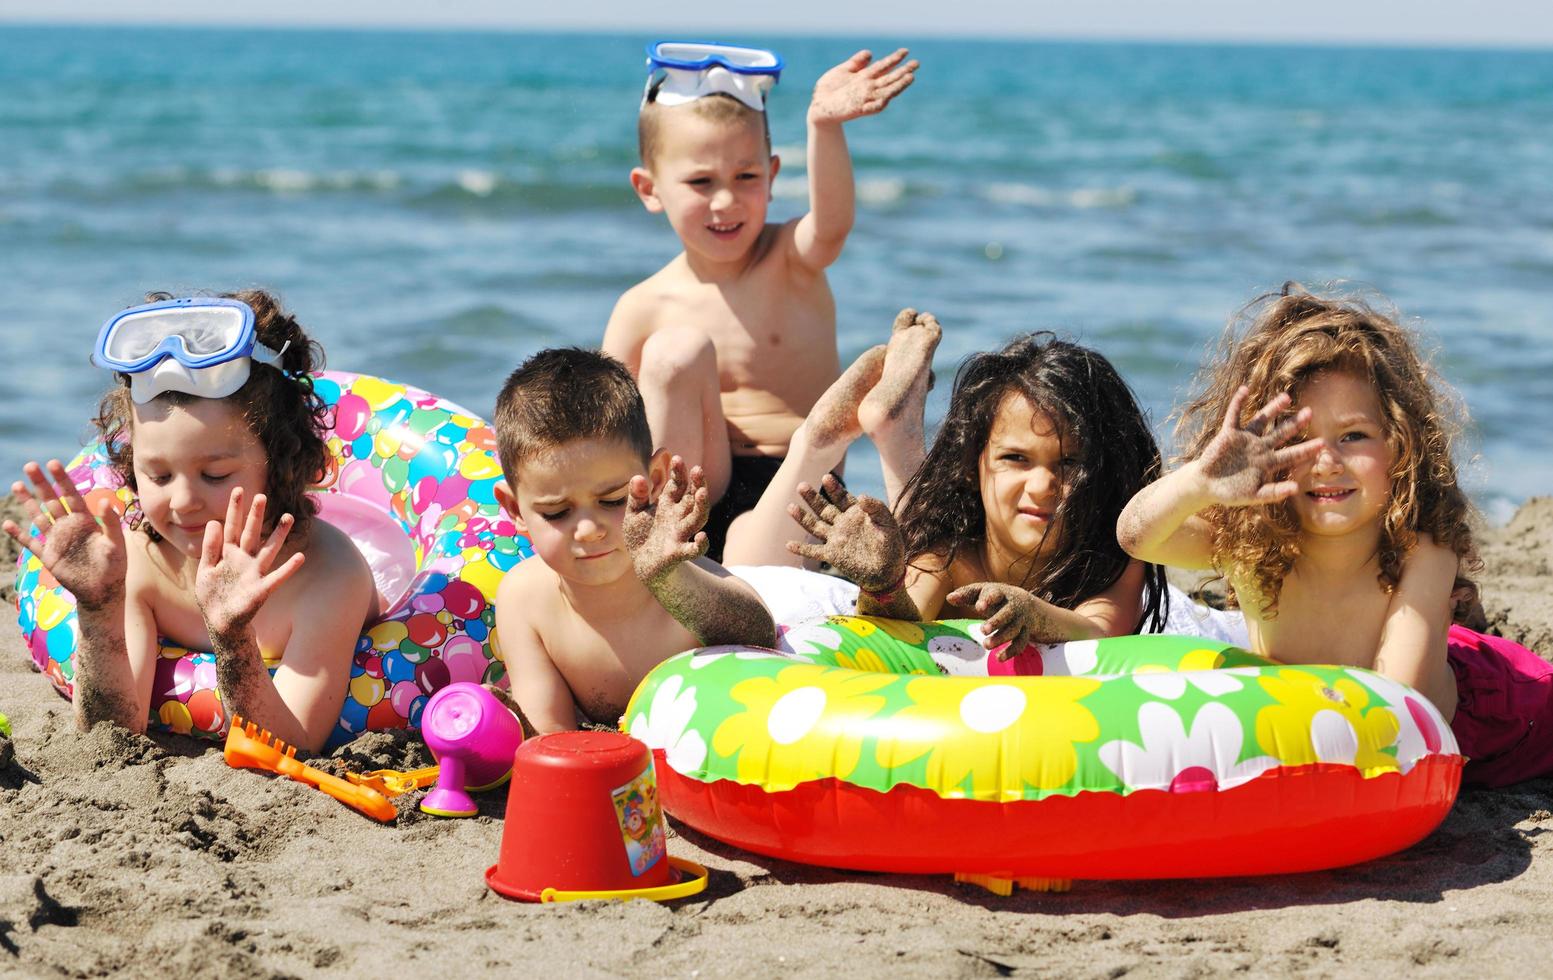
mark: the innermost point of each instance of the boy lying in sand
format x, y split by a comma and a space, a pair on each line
620, 582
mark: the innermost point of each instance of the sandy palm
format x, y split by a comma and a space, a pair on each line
1242, 465
860, 87
857, 536
85, 555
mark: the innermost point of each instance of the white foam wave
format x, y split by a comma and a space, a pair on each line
872, 190
480, 183
1028, 195
288, 181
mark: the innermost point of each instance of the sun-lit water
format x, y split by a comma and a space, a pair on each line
436, 206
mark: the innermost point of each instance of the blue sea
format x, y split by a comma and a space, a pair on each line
436, 206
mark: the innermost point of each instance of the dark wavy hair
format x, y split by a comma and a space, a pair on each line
1278, 343
1101, 426
279, 406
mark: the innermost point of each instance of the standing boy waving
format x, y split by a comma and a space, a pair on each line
734, 340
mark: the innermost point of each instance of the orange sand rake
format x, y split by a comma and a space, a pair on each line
249, 748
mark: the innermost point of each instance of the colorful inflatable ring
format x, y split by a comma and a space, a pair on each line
413, 480
1134, 757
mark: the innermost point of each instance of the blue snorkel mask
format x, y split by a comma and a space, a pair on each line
683, 71
202, 345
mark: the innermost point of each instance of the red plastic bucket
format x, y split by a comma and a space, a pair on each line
582, 821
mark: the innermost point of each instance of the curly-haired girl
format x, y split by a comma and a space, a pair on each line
1012, 513
215, 427
1348, 547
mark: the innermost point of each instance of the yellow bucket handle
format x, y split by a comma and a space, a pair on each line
663, 893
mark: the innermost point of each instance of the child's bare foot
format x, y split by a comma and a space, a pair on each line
834, 418
902, 390
662, 534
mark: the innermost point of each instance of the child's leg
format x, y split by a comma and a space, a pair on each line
760, 536
681, 392
891, 414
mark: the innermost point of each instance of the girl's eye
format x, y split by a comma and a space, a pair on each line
1352, 436
699, 181
1013, 457
1070, 462
613, 502
556, 516
748, 176
216, 477
158, 479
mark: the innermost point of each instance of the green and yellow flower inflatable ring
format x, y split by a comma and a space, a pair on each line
865, 746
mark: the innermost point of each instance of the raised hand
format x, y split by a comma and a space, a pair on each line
857, 87
662, 534
1013, 617
1241, 466
234, 578
858, 536
86, 555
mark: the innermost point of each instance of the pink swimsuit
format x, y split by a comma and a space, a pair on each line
1504, 708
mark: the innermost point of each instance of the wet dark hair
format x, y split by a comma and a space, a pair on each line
563, 394
1100, 425
278, 404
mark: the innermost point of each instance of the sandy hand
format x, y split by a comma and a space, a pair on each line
662, 534
857, 87
234, 578
86, 555
907, 375
1013, 617
858, 536
1242, 465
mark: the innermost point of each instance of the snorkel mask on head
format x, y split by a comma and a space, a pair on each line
201, 345
683, 71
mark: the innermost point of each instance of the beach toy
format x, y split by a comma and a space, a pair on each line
394, 782
5, 726
872, 746
412, 481
249, 748
473, 736
583, 822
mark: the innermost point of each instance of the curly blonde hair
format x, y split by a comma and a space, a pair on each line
279, 405
1277, 343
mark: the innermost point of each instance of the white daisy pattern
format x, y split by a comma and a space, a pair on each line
666, 725
1074, 658
809, 639
1172, 759
1171, 684
958, 656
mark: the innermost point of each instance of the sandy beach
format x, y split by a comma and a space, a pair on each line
132, 855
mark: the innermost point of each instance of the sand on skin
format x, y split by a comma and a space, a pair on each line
146, 856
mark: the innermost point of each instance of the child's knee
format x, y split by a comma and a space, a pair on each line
675, 355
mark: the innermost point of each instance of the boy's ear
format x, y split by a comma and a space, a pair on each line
646, 189
509, 505
657, 473
776, 164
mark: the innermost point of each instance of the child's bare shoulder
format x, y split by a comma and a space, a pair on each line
334, 576
639, 309
523, 591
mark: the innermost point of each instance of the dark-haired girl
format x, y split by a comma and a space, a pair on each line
1012, 515
215, 428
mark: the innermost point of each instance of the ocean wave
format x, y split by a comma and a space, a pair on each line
1082, 198
274, 180
456, 189
876, 191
